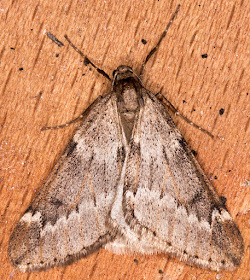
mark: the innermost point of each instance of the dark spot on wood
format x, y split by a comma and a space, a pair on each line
57, 54
210, 260
223, 262
144, 41
221, 112
136, 261
204, 55
196, 257
160, 271
154, 233
55, 259
21, 69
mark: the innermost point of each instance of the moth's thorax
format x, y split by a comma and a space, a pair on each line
127, 87
128, 93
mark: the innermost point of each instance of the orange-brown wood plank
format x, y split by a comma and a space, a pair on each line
44, 84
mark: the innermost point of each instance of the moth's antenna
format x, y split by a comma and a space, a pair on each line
161, 38
86, 59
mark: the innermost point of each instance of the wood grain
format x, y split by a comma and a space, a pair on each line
44, 84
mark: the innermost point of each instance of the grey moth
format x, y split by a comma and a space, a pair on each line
127, 181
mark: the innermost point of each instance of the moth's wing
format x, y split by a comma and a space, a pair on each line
168, 203
68, 217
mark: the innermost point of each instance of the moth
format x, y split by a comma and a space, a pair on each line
128, 182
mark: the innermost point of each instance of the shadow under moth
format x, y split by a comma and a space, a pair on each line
128, 182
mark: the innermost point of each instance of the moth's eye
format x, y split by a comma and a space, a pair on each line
114, 73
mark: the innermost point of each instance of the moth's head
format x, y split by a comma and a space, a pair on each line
123, 72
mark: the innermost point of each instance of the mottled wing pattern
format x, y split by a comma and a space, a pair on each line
68, 218
168, 203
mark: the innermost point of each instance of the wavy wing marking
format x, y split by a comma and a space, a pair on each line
168, 201
68, 218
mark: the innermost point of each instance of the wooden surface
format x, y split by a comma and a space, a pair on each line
42, 84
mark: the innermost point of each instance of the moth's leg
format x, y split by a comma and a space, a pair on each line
171, 106
159, 42
63, 125
74, 120
86, 59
